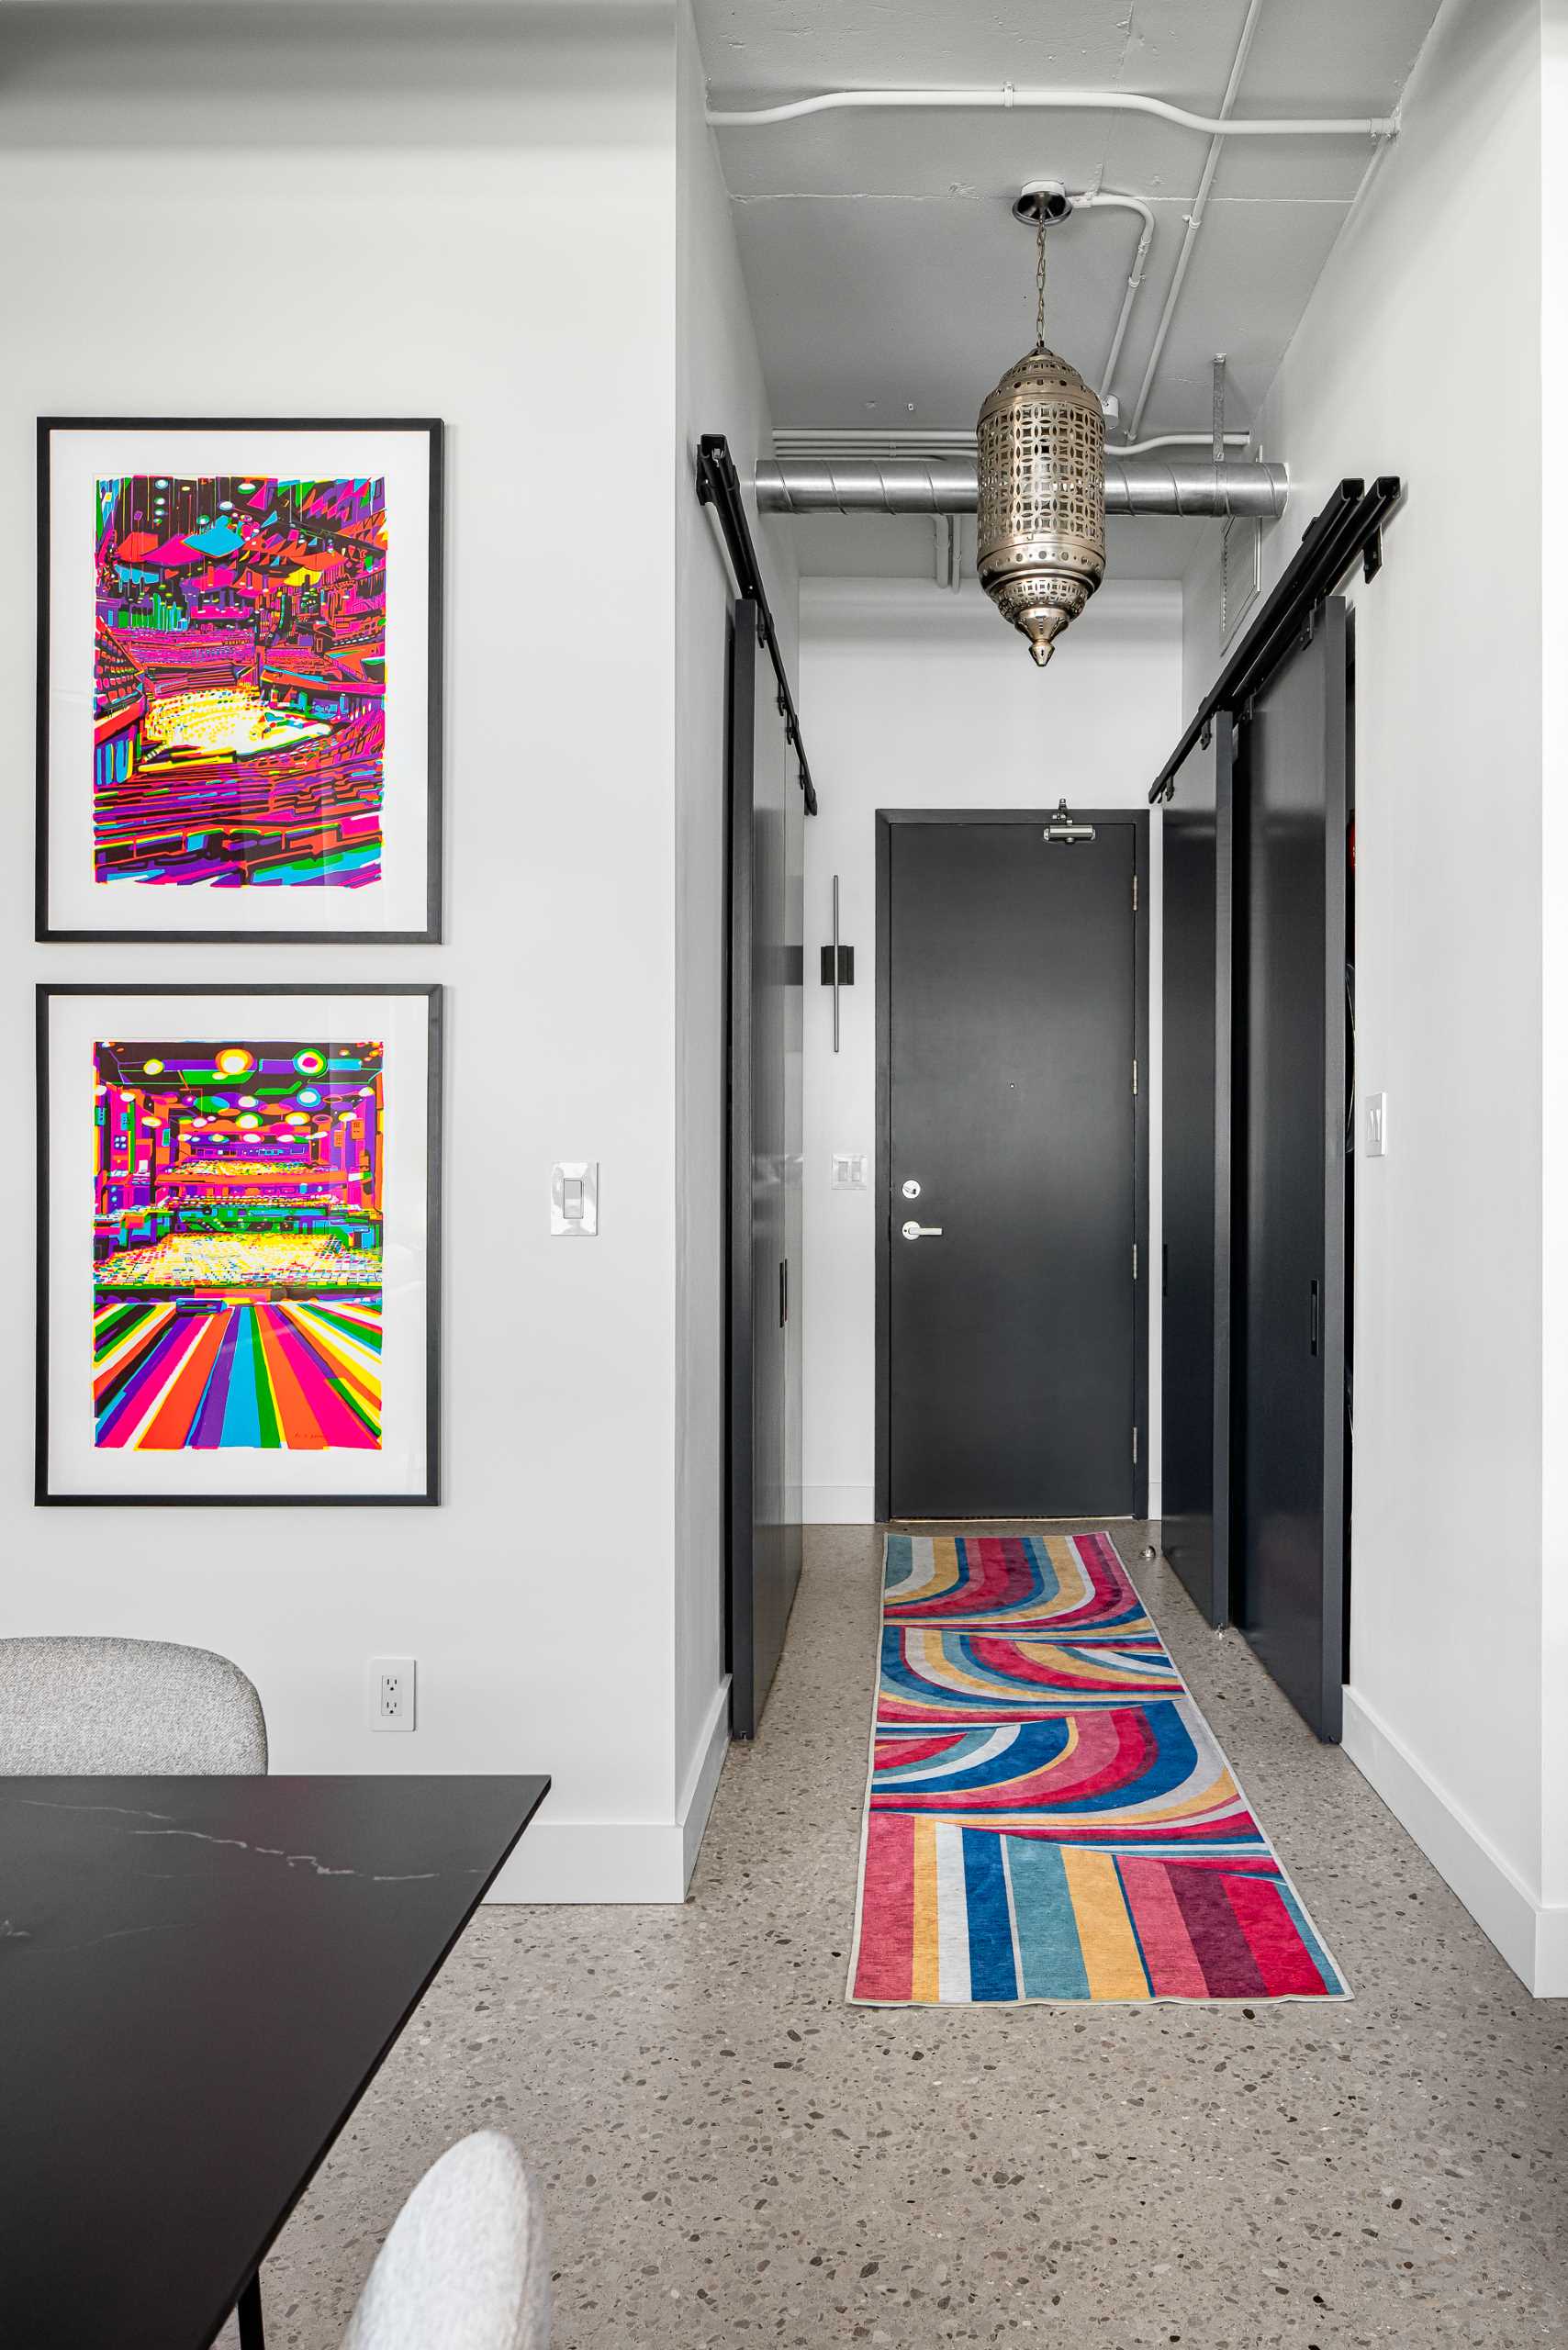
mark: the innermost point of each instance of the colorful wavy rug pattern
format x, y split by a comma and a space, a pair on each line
1047, 1816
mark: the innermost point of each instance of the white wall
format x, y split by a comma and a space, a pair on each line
719, 390
491, 205
912, 697
1420, 354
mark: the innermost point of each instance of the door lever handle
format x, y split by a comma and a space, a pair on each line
912, 1231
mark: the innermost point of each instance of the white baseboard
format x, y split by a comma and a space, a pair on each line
594, 1860
1552, 1954
1533, 1939
622, 1860
838, 1505
702, 1781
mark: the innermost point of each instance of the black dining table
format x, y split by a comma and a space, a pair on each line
199, 1978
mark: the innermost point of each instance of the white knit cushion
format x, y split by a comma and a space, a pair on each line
79, 1705
464, 2266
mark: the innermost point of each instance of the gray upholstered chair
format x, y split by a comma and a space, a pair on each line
74, 1705
464, 2266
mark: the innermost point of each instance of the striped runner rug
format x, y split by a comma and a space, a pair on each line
1048, 1815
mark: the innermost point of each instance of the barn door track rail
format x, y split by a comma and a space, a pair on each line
719, 485
1350, 526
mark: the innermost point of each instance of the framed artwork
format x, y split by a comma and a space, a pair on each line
239, 1244
239, 718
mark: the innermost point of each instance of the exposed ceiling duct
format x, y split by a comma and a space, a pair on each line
1139, 486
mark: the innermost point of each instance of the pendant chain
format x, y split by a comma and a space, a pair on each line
1040, 285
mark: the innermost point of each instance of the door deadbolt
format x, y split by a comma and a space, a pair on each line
910, 1189
912, 1231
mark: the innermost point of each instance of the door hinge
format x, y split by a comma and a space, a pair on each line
1135, 1077
1135, 893
1135, 1260
1135, 1444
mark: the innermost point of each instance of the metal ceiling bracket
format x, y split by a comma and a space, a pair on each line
1046, 200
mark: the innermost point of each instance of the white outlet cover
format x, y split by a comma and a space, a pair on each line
406, 1670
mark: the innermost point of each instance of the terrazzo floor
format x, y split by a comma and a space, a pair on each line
729, 2154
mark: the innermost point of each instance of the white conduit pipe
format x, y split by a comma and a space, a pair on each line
1121, 202
1057, 101
1174, 440
1194, 219
854, 442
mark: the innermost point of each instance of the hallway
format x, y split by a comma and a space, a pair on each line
730, 2153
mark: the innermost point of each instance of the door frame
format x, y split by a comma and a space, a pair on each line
886, 818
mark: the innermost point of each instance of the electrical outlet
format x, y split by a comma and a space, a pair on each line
392, 1692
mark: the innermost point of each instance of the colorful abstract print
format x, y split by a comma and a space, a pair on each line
237, 1299
239, 680
1049, 1816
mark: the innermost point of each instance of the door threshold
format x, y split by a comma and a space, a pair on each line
1029, 1518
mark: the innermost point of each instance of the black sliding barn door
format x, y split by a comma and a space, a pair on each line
1288, 1582
765, 1073
1195, 1321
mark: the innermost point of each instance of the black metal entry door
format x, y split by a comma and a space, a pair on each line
1288, 1584
1011, 1032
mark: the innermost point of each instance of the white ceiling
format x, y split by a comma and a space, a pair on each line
892, 286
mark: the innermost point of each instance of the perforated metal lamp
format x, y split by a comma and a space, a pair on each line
1041, 530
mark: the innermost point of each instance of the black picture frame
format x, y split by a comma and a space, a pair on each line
433, 994
434, 429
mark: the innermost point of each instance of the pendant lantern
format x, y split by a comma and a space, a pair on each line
1041, 531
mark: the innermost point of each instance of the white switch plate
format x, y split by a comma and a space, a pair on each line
574, 1199
392, 1682
1377, 1125
848, 1170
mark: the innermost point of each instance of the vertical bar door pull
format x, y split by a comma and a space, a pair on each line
836, 962
784, 1291
1316, 1314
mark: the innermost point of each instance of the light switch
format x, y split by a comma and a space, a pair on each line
848, 1170
574, 1199
1377, 1125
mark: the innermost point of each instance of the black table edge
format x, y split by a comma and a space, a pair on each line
541, 1783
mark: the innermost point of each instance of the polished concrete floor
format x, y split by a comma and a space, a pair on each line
731, 2155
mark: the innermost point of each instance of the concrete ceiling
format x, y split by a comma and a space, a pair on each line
890, 284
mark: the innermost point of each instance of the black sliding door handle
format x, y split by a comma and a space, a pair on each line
1317, 1316
1165, 1268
